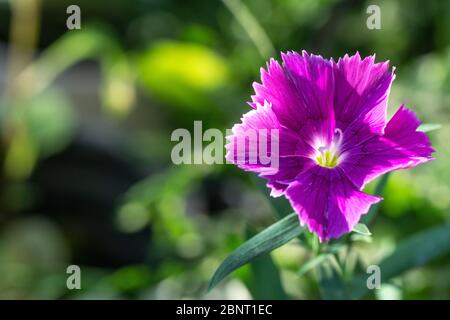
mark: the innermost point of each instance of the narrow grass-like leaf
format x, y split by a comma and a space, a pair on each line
266, 279
314, 262
267, 240
330, 283
361, 228
360, 237
251, 26
427, 127
410, 253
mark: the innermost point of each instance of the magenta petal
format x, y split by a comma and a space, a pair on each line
280, 92
314, 81
300, 92
361, 94
290, 167
327, 202
293, 152
361, 85
333, 136
400, 147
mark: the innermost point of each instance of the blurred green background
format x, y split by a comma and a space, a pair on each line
86, 117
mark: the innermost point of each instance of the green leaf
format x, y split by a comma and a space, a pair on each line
362, 229
413, 252
330, 283
72, 47
360, 237
251, 26
314, 262
267, 240
427, 127
266, 280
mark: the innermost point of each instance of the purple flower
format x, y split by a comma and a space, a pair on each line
333, 136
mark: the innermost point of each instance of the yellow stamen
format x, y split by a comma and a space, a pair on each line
328, 156
327, 159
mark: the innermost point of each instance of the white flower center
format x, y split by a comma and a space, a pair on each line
328, 156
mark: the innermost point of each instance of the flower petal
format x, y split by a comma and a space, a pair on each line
327, 202
361, 94
277, 89
288, 153
400, 147
301, 93
314, 81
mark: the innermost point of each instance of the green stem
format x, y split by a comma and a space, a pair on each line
251, 26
